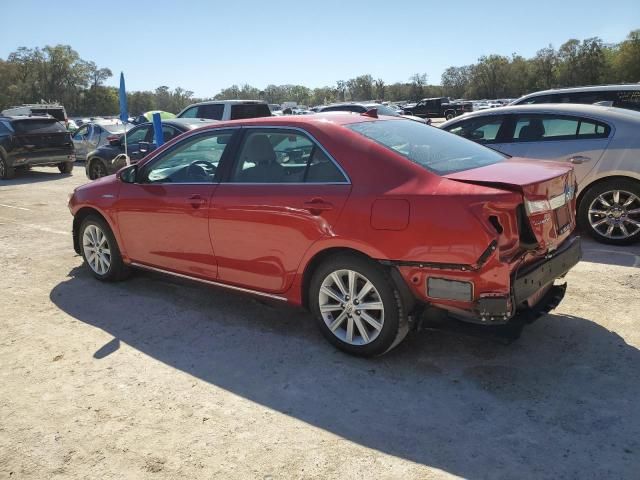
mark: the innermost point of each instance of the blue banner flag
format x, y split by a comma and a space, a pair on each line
124, 114
157, 130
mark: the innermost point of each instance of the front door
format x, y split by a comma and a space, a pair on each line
282, 194
164, 216
577, 141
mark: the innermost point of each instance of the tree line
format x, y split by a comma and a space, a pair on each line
58, 74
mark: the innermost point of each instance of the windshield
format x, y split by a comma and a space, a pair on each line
434, 149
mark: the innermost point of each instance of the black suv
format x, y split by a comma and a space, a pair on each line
437, 108
34, 141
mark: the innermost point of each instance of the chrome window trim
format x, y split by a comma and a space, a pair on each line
209, 282
314, 140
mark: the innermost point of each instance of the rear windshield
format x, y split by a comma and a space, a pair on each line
434, 149
38, 126
250, 110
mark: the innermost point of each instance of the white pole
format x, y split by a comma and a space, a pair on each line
125, 144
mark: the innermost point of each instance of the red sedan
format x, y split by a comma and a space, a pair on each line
363, 220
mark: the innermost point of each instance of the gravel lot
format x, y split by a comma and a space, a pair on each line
158, 378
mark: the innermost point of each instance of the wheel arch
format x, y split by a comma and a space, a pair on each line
79, 217
320, 256
93, 158
601, 180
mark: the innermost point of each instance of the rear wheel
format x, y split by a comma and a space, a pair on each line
6, 172
449, 115
97, 169
65, 167
357, 306
610, 212
100, 251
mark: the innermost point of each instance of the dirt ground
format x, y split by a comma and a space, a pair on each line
163, 379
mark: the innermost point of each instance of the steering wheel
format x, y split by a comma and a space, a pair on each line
201, 170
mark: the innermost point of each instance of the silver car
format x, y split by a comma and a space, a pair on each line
95, 134
602, 144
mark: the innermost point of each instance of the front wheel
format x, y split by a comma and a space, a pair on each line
6, 172
100, 251
610, 212
357, 306
97, 169
65, 167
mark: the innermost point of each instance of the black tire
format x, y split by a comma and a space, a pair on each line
117, 270
622, 185
6, 172
449, 115
65, 167
97, 169
395, 324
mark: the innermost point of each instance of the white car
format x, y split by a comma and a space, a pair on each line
227, 110
602, 144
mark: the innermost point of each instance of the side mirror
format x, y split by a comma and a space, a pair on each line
128, 174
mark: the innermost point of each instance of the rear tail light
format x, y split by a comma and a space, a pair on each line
112, 137
536, 206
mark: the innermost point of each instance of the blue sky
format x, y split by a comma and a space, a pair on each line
205, 45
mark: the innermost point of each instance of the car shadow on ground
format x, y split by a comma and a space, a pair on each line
42, 174
623, 256
560, 402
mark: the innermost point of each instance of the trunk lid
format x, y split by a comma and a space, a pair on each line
40, 137
548, 190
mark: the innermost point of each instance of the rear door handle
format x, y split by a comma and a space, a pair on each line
578, 159
196, 201
317, 205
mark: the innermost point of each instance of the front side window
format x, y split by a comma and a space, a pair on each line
283, 156
629, 99
137, 135
81, 133
194, 160
433, 149
190, 113
481, 130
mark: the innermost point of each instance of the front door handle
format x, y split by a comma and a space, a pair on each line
196, 201
317, 205
578, 159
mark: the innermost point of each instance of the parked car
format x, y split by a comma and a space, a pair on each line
363, 107
140, 141
363, 220
34, 141
227, 110
601, 143
93, 135
437, 108
621, 96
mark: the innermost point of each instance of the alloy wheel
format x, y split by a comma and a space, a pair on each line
351, 307
97, 251
615, 214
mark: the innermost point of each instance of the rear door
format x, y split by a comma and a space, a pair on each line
577, 141
282, 193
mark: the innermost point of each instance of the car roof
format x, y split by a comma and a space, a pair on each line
44, 116
595, 111
317, 120
214, 102
590, 88
185, 123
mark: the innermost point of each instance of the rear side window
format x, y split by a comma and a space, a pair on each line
533, 128
433, 149
212, 112
249, 110
629, 99
38, 126
190, 113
